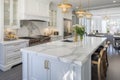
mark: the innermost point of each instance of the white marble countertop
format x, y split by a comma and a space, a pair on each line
75, 52
13, 41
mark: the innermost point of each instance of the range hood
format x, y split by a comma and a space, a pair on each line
34, 10
36, 18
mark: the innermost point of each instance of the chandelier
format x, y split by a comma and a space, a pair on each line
106, 17
80, 12
64, 6
88, 14
83, 13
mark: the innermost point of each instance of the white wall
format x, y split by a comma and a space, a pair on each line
60, 19
60, 26
107, 11
98, 22
1, 20
68, 15
104, 30
86, 23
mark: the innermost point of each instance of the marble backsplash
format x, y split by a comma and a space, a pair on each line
31, 28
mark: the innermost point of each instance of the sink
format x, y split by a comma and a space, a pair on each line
67, 40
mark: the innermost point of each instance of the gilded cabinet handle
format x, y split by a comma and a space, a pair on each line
46, 64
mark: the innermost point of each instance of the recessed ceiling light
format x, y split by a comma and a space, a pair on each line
114, 1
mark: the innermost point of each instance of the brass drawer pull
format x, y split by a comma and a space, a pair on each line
46, 64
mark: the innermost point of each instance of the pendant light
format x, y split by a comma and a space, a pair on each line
88, 14
80, 12
64, 6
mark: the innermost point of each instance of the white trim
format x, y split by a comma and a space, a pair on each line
1, 20
104, 7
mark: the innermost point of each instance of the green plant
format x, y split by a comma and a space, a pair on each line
80, 30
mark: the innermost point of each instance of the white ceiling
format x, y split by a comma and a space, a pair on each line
94, 4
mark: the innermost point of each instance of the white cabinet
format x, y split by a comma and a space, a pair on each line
34, 9
61, 71
11, 14
39, 67
10, 54
36, 67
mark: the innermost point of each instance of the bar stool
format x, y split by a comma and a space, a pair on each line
101, 65
107, 46
96, 54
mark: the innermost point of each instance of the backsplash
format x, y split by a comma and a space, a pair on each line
31, 28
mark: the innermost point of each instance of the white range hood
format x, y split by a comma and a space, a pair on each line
35, 18
34, 10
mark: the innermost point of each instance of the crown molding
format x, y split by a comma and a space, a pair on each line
105, 6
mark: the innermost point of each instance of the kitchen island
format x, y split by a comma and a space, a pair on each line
60, 60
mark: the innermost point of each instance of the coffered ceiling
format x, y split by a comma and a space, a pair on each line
94, 4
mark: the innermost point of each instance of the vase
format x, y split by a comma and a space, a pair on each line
76, 37
81, 39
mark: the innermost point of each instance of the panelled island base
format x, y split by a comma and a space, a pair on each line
60, 60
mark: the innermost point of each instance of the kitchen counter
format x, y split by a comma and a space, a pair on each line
13, 41
67, 51
104, 35
76, 53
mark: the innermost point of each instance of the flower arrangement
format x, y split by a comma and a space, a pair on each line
80, 30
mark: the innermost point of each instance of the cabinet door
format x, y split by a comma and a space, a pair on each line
15, 12
11, 13
6, 12
37, 70
61, 71
86, 69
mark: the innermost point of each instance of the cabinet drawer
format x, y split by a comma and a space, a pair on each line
13, 58
15, 46
12, 52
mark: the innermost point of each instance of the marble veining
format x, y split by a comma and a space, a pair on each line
74, 52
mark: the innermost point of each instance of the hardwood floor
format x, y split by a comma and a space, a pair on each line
114, 68
113, 72
13, 74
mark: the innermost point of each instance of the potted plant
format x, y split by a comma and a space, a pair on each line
79, 30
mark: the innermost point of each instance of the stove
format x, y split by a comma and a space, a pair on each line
35, 40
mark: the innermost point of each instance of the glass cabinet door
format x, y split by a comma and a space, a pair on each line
15, 8
6, 12
10, 13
